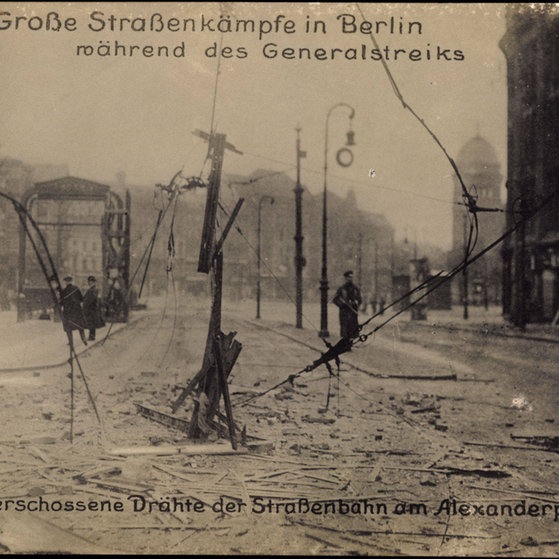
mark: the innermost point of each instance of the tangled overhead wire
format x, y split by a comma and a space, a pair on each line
179, 182
523, 210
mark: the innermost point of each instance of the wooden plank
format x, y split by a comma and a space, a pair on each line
85, 489
119, 486
219, 244
164, 527
508, 446
322, 541
214, 326
39, 454
549, 442
225, 390
398, 532
528, 494
376, 470
189, 388
99, 470
171, 472
167, 450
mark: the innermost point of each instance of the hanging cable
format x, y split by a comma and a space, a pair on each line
262, 261
469, 200
51, 278
173, 330
345, 344
171, 240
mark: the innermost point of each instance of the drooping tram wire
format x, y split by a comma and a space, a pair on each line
174, 189
51, 276
470, 203
345, 344
333, 352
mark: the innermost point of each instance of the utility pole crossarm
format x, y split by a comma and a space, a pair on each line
205, 136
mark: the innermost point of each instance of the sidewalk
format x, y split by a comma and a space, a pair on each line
488, 321
40, 344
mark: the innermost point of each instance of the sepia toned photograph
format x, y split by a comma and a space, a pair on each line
279, 278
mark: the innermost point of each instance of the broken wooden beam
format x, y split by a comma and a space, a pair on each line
549, 442
224, 388
175, 422
168, 450
507, 446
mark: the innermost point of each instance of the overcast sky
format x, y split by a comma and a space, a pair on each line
136, 113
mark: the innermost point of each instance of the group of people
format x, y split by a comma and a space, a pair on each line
81, 311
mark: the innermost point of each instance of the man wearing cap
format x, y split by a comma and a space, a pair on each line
72, 313
92, 308
348, 299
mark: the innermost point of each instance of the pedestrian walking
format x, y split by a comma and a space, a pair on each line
71, 299
348, 299
92, 308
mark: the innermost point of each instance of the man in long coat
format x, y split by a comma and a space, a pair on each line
72, 313
92, 308
348, 299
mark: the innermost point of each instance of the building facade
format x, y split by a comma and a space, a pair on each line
531, 253
16, 177
266, 225
83, 230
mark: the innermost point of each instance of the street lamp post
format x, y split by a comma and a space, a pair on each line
376, 272
359, 259
465, 270
259, 230
323, 333
299, 258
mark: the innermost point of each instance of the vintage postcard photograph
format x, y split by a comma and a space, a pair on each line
279, 278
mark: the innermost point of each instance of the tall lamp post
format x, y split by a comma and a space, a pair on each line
465, 270
258, 233
299, 258
341, 154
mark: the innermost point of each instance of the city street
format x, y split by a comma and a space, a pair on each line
429, 442
210, 194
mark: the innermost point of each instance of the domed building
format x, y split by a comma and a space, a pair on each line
480, 170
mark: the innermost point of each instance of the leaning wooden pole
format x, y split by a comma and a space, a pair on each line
209, 385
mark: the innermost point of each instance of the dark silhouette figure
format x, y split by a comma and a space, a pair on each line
92, 308
72, 312
348, 299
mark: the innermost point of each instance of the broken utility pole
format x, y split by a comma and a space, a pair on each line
209, 385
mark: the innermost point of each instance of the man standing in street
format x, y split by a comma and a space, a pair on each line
348, 299
72, 313
92, 308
